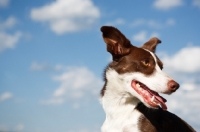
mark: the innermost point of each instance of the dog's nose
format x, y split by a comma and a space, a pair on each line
172, 85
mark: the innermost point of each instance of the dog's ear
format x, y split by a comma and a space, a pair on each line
117, 44
151, 44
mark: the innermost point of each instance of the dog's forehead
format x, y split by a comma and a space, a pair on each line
140, 54
156, 59
151, 53
145, 54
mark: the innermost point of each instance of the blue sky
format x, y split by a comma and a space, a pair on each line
52, 58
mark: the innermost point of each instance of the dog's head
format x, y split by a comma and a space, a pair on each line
136, 70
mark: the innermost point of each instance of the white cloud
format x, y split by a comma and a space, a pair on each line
143, 36
10, 22
44, 66
153, 23
170, 22
4, 3
35, 66
186, 60
167, 4
196, 3
189, 86
19, 127
5, 96
5, 128
67, 15
9, 41
75, 83
185, 104
53, 100
76, 80
76, 105
184, 67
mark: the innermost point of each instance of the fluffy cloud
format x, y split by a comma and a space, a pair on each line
19, 127
167, 4
184, 67
5, 96
4, 3
186, 60
67, 15
8, 40
75, 83
35, 66
143, 36
153, 24
44, 66
5, 128
8, 23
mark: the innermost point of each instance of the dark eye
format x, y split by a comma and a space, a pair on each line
146, 63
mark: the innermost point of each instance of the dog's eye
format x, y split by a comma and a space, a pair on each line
146, 62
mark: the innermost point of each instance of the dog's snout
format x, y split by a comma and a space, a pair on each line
172, 85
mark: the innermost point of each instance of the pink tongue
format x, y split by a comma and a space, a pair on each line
162, 101
159, 98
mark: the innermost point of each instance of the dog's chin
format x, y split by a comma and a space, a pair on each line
150, 98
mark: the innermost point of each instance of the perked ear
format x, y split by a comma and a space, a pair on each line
151, 44
117, 44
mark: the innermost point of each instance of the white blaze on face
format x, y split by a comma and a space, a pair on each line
158, 81
122, 83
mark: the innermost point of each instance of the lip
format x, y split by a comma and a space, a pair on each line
150, 97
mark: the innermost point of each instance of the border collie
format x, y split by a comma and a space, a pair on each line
133, 80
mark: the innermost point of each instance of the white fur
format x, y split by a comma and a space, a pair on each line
120, 99
119, 106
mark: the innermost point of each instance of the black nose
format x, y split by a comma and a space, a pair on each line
172, 85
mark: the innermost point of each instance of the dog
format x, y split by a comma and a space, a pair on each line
133, 80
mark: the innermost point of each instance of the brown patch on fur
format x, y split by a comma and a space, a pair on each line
145, 125
126, 57
151, 44
117, 44
163, 121
133, 62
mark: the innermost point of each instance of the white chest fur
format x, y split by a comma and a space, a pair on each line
120, 115
119, 106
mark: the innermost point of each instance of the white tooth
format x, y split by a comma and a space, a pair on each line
138, 85
160, 105
152, 99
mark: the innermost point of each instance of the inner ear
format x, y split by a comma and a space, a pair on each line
151, 44
117, 44
115, 48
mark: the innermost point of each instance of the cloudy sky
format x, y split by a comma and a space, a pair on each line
52, 58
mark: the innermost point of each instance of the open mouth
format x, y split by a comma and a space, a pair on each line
152, 98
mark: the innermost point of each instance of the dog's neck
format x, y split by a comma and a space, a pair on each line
118, 105
115, 94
